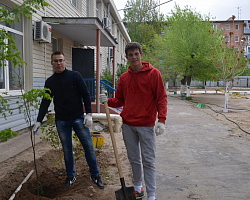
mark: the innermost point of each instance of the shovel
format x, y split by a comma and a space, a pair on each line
125, 193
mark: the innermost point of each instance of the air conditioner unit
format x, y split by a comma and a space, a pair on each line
42, 32
105, 21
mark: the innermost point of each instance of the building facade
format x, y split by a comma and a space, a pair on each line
89, 32
236, 33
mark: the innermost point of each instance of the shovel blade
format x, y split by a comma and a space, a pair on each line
126, 193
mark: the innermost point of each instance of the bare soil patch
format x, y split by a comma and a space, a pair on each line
52, 175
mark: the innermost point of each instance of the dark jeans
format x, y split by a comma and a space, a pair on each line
64, 129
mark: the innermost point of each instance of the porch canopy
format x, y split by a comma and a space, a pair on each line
86, 31
82, 30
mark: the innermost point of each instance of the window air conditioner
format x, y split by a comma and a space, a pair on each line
105, 21
42, 32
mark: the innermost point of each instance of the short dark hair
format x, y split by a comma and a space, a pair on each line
56, 53
132, 46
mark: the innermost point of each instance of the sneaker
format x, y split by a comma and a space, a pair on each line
69, 182
139, 195
97, 180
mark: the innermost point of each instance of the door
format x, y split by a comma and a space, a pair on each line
83, 62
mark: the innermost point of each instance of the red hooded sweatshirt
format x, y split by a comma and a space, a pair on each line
142, 95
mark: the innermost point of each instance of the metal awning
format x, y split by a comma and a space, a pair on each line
86, 31
82, 30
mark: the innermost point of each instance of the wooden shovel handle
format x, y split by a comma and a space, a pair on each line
113, 138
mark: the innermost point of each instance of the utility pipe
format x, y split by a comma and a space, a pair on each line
20, 186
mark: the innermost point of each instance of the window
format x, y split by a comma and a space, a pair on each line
12, 78
215, 26
237, 27
227, 26
227, 38
236, 38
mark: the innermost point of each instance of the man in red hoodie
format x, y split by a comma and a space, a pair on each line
142, 94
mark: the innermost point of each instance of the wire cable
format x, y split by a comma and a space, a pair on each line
223, 114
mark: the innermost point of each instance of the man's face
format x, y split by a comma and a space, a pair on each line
58, 63
134, 57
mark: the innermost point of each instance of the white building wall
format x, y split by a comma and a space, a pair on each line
41, 52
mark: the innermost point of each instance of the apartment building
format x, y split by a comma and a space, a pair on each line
236, 33
89, 32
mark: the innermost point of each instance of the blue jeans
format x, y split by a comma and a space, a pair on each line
64, 129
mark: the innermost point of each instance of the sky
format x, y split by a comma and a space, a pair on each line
216, 9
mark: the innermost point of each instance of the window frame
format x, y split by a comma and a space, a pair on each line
236, 38
215, 26
227, 27
237, 27
6, 67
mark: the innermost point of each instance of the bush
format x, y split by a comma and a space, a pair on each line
6, 134
189, 98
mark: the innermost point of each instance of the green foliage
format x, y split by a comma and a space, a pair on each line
188, 45
247, 70
144, 22
26, 8
32, 98
189, 98
6, 134
51, 136
50, 132
4, 106
121, 70
140, 11
106, 75
11, 52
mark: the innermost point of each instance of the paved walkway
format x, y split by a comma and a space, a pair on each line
198, 157
17, 145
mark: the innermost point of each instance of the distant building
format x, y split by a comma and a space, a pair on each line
236, 33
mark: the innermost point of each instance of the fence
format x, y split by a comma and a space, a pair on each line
239, 81
104, 85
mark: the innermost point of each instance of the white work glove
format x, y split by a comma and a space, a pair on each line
103, 98
36, 127
88, 120
159, 128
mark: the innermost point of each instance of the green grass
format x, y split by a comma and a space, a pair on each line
7, 134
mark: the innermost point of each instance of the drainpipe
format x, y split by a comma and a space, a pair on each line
98, 32
108, 10
114, 63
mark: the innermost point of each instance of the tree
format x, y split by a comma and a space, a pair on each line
143, 21
9, 52
188, 45
229, 60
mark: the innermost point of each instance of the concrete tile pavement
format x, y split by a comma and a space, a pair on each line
198, 157
17, 145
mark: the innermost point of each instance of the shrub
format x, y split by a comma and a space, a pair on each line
6, 134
